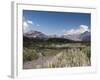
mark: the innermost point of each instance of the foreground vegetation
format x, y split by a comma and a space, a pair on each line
54, 53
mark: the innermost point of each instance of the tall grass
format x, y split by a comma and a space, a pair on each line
66, 55
71, 58
29, 54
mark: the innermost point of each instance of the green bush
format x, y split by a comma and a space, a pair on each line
29, 54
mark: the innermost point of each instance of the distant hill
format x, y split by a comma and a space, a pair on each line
36, 35
86, 36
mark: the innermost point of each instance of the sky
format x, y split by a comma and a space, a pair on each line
58, 23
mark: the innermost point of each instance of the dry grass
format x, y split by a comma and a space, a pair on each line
70, 58
73, 56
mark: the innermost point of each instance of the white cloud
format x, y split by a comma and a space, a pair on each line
28, 25
30, 22
25, 26
81, 29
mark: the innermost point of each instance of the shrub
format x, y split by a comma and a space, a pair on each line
29, 54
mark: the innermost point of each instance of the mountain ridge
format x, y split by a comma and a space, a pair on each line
86, 36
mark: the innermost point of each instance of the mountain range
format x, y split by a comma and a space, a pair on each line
35, 34
85, 36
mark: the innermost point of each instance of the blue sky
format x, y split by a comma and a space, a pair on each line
55, 22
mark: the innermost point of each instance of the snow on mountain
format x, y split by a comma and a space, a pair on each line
85, 36
79, 37
35, 34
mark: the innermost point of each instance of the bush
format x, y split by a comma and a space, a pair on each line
29, 54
